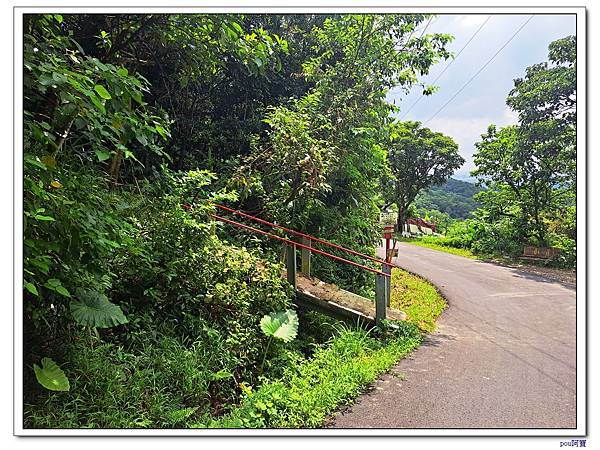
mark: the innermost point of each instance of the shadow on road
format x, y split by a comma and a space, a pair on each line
541, 278
436, 339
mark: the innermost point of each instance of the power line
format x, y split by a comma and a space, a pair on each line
426, 26
448, 65
480, 70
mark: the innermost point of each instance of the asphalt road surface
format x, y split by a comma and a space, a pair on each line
503, 355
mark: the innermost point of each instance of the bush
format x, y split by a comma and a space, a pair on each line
153, 386
193, 305
568, 250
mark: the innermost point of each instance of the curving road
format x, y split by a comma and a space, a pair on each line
503, 355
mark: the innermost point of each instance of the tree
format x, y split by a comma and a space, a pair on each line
546, 101
524, 181
319, 163
213, 74
531, 168
418, 158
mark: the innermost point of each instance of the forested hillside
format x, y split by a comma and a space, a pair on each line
454, 197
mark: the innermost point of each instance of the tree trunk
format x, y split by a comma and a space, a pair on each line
401, 220
539, 226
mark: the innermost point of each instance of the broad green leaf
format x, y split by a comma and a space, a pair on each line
282, 325
102, 155
122, 72
43, 218
51, 376
96, 101
102, 92
57, 286
31, 288
59, 78
34, 161
161, 131
137, 96
46, 79
49, 160
93, 309
141, 138
62, 291
221, 374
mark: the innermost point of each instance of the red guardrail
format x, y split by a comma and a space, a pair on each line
290, 242
307, 236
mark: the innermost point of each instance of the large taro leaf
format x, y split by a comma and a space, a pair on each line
281, 324
51, 376
93, 309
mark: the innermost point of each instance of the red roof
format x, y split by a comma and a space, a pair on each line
421, 223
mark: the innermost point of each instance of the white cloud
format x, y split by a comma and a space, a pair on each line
466, 131
509, 117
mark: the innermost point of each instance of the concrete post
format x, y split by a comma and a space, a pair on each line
305, 257
380, 298
388, 283
291, 264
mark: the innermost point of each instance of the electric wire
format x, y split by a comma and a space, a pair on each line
480, 70
448, 65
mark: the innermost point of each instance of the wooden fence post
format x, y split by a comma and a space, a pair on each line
291, 264
305, 257
380, 298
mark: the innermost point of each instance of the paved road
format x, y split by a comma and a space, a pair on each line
503, 355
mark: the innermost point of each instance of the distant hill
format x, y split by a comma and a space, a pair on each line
454, 197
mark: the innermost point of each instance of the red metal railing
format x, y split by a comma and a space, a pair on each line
382, 278
297, 244
306, 236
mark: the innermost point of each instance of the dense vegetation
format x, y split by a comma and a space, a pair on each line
528, 170
141, 312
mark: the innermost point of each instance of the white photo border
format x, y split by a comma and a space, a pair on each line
331, 7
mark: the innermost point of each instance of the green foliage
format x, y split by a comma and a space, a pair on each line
51, 376
281, 325
418, 298
418, 158
79, 112
441, 244
529, 168
308, 393
454, 198
291, 110
318, 167
93, 309
68, 93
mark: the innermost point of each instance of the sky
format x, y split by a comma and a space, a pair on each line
483, 101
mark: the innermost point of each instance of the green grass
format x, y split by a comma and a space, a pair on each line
442, 248
175, 384
490, 257
335, 375
418, 298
